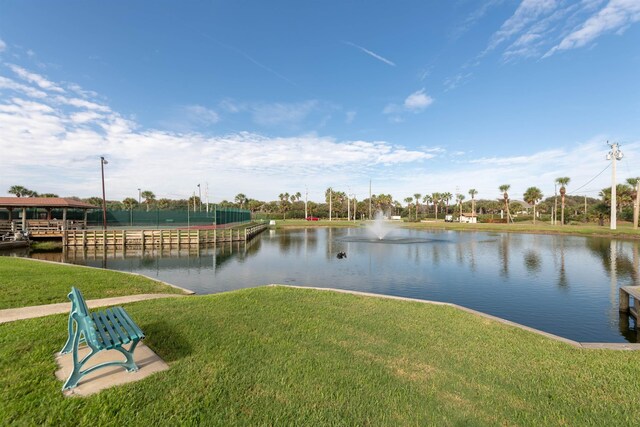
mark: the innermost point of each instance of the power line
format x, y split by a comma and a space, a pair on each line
591, 180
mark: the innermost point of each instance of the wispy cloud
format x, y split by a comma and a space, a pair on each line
616, 16
528, 12
275, 114
474, 17
371, 53
39, 80
540, 28
350, 117
3, 46
459, 79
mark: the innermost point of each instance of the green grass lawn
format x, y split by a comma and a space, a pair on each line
624, 229
26, 282
283, 356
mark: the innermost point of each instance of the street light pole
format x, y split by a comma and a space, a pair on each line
103, 162
199, 199
614, 154
139, 196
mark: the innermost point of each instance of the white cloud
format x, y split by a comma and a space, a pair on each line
39, 80
616, 16
6, 83
3, 46
69, 134
414, 103
418, 101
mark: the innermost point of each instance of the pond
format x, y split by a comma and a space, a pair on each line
565, 285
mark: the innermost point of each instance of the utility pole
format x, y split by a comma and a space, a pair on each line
306, 197
103, 162
614, 154
585, 208
348, 208
330, 197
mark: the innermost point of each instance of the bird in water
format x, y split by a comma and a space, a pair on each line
342, 255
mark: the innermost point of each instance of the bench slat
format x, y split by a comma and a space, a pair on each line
113, 337
124, 337
103, 339
131, 327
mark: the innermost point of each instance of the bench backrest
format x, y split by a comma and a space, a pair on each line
80, 313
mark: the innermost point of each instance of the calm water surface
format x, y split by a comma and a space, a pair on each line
560, 284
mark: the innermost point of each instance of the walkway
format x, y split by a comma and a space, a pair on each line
13, 314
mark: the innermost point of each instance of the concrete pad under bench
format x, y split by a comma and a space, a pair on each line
148, 363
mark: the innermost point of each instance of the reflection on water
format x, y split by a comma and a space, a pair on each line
565, 285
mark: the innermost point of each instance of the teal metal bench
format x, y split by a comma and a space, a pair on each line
110, 329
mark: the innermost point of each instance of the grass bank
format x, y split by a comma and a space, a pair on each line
281, 356
26, 282
625, 230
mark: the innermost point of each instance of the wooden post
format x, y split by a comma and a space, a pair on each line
161, 232
142, 239
198, 239
624, 301
24, 219
124, 238
64, 218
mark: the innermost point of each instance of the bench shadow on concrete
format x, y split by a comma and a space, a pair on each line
166, 341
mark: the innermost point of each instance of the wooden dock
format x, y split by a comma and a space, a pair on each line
159, 238
625, 293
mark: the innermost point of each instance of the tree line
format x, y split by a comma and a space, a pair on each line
339, 204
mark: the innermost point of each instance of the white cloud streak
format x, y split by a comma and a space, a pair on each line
371, 53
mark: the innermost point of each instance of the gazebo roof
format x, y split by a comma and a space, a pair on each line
43, 202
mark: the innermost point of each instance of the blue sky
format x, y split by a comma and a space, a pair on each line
271, 97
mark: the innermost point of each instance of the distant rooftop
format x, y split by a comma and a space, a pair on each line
43, 202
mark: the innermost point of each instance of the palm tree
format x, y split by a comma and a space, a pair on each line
240, 199
426, 200
435, 199
18, 190
409, 200
633, 182
129, 203
473, 193
417, 197
503, 189
562, 181
532, 196
284, 204
149, 197
446, 197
